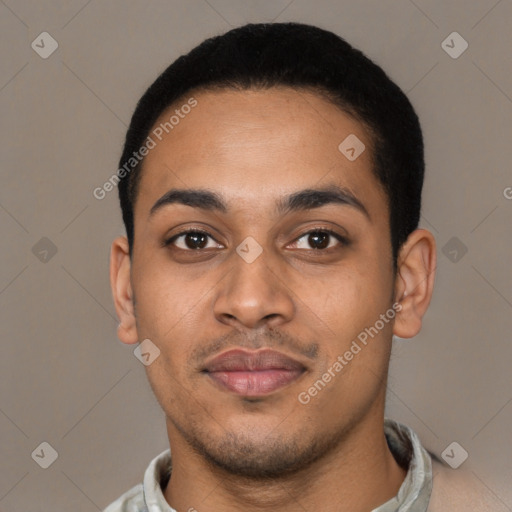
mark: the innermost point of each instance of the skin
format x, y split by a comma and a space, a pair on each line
254, 148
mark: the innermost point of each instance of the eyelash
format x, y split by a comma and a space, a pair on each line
342, 239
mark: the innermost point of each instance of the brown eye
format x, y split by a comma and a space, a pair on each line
320, 239
192, 240
195, 240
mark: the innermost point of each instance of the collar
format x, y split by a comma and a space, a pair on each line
414, 493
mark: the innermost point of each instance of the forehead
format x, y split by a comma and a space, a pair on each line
254, 146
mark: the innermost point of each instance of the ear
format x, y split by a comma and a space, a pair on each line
120, 284
414, 282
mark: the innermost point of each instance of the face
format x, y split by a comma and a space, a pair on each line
257, 284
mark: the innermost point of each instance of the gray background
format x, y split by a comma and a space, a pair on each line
67, 380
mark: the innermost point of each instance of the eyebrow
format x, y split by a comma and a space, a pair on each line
306, 199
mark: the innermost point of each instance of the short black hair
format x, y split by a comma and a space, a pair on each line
300, 56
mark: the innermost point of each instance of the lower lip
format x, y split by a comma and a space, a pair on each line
255, 383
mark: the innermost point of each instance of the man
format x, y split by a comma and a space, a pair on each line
270, 186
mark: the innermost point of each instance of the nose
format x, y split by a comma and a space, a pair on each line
254, 295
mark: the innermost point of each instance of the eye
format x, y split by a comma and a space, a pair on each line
320, 239
317, 239
193, 240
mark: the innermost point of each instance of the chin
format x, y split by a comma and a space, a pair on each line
260, 453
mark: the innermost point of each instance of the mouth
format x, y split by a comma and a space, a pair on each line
253, 374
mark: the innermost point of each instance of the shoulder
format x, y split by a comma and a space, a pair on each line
130, 501
460, 491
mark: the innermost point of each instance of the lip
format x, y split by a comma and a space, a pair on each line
253, 374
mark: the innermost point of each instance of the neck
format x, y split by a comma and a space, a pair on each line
357, 476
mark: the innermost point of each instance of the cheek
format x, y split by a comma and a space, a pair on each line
349, 377
164, 298
349, 304
351, 297
174, 311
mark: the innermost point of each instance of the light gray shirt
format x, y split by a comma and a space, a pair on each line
413, 495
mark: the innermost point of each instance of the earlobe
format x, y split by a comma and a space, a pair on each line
122, 293
414, 282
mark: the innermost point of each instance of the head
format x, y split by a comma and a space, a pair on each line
275, 206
